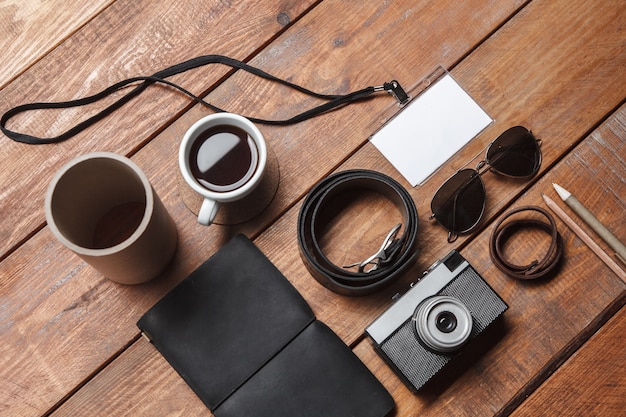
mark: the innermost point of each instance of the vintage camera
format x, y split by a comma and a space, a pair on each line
428, 326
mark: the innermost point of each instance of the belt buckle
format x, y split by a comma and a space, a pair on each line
381, 255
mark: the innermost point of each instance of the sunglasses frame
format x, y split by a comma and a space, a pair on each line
482, 167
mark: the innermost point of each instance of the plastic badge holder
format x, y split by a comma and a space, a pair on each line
440, 119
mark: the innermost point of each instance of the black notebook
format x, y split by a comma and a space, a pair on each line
248, 344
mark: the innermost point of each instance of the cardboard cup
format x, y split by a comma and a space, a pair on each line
103, 208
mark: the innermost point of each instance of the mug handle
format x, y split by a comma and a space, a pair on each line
207, 211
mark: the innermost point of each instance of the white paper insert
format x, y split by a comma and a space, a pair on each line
432, 128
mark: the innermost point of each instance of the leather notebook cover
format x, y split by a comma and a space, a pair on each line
248, 344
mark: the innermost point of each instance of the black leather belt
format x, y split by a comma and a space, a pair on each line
396, 255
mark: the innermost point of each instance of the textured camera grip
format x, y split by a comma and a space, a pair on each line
416, 364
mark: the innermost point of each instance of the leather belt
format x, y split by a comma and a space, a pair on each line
396, 255
502, 231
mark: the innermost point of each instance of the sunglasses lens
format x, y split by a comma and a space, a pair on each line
515, 153
459, 203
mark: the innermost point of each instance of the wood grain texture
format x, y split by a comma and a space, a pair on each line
591, 383
349, 316
129, 38
607, 259
547, 320
50, 351
141, 363
73, 308
553, 66
31, 29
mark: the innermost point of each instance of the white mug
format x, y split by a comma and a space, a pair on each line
222, 157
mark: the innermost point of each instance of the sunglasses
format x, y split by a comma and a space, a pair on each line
459, 204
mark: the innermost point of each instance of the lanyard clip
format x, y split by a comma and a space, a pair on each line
395, 89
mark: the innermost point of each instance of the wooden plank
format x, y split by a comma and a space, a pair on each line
46, 292
592, 382
73, 320
547, 111
547, 320
102, 398
571, 388
31, 29
133, 38
348, 316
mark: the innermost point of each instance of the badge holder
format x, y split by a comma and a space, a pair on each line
438, 121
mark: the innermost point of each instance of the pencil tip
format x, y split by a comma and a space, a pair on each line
562, 192
547, 199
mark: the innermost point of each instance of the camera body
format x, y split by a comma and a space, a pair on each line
429, 325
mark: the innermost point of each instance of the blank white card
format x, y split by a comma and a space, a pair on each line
430, 130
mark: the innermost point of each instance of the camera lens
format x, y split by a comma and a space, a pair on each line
443, 323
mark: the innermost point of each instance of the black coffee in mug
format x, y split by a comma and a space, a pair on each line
223, 158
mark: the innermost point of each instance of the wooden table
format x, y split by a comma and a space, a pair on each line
68, 340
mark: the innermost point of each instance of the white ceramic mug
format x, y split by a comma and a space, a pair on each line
219, 164
102, 207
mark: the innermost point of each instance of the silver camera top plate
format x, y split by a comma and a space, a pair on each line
435, 279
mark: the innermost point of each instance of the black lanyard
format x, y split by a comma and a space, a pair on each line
332, 101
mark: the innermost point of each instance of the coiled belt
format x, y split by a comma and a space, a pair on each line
538, 268
396, 255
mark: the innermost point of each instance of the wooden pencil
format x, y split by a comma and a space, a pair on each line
585, 238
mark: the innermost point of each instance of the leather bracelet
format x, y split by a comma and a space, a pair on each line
538, 268
395, 256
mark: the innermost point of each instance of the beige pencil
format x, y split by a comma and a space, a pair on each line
585, 238
592, 221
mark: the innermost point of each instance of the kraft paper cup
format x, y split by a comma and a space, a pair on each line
102, 207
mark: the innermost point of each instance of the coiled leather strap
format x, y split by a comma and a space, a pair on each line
538, 268
400, 254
